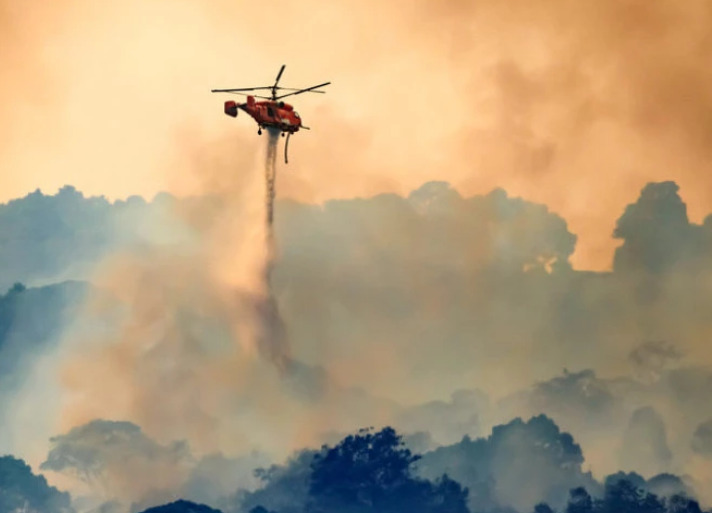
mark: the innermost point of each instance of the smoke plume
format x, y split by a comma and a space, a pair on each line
184, 324
273, 337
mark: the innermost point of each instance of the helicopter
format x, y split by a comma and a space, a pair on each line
272, 113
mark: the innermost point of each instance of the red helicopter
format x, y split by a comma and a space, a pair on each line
272, 113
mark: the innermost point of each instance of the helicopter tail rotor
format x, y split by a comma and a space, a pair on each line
231, 108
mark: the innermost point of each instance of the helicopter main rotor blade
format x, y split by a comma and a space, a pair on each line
245, 94
240, 89
269, 88
279, 75
295, 89
308, 89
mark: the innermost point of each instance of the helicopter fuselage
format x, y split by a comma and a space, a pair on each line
273, 114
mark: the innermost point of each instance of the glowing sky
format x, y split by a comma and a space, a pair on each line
573, 104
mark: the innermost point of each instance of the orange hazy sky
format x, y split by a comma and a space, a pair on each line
574, 104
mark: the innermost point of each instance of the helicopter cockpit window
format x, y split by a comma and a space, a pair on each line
296, 114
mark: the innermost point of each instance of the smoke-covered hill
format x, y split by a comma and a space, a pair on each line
443, 316
32, 321
521, 466
21, 490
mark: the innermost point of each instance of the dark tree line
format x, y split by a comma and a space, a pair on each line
367, 472
622, 496
21, 490
373, 472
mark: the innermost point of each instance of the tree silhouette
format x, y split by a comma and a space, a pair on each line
580, 501
371, 472
20, 488
622, 496
543, 508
